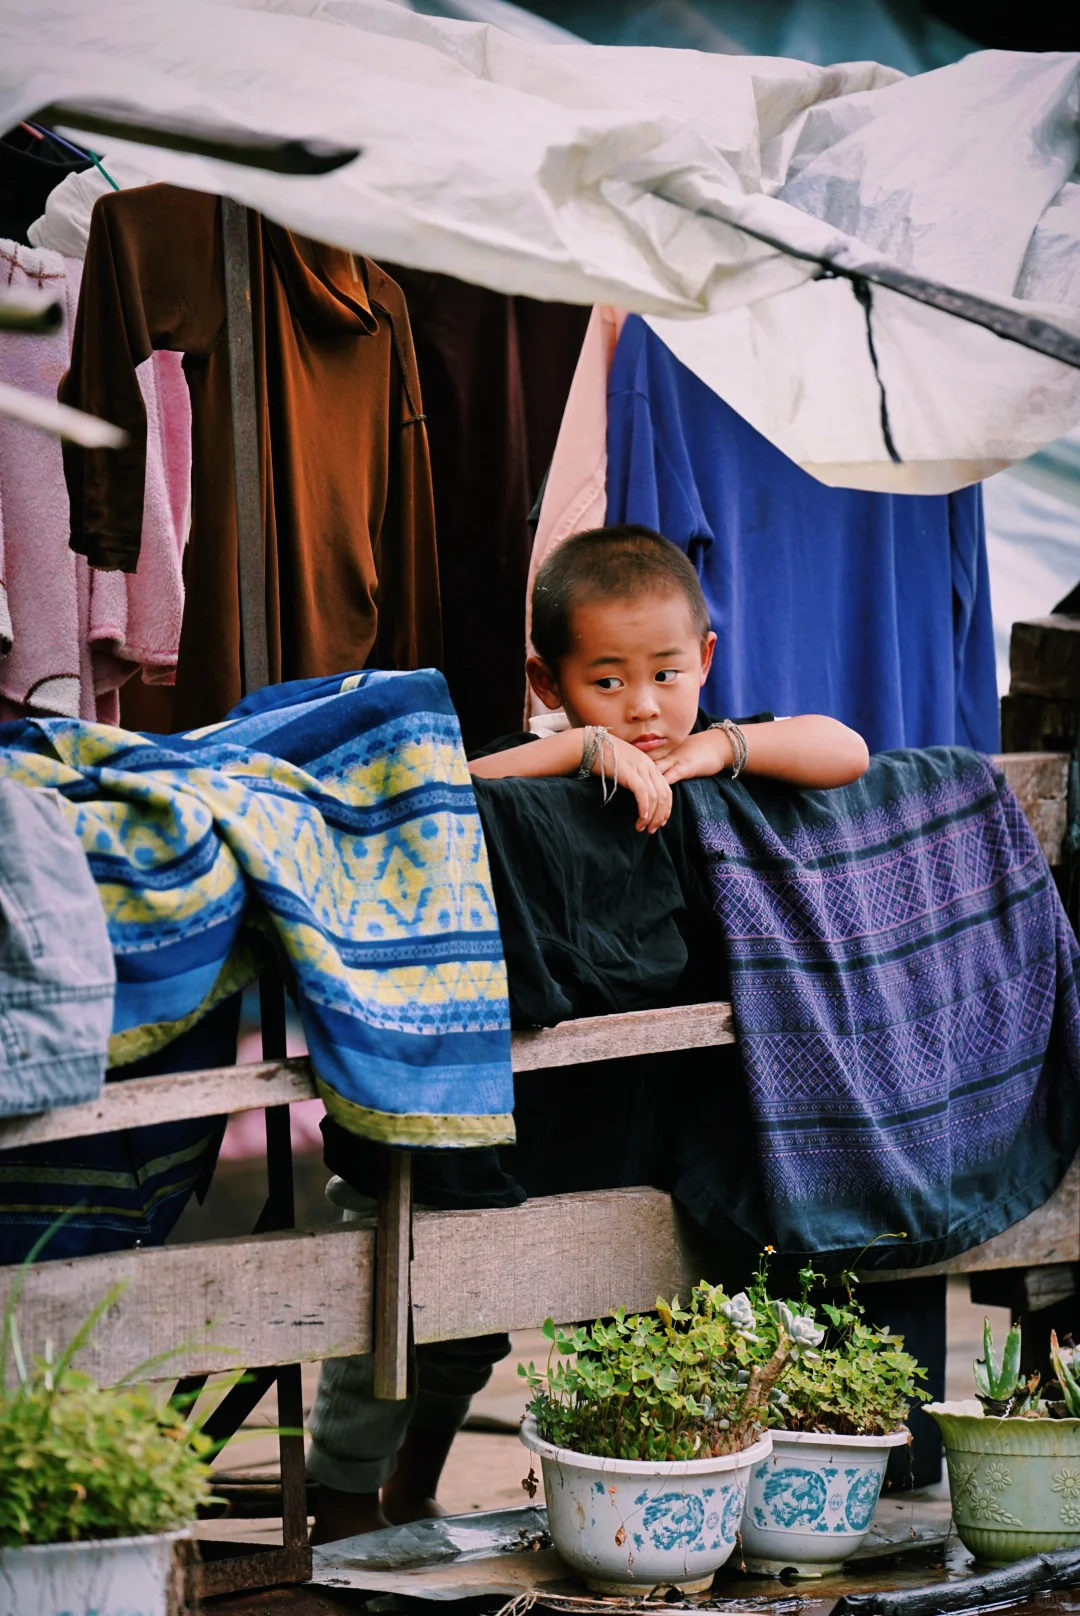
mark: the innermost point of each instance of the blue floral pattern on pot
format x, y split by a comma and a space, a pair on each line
674, 1520
862, 1501
827, 1498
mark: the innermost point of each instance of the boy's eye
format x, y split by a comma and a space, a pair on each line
608, 683
667, 676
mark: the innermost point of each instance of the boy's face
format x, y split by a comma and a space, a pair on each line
635, 665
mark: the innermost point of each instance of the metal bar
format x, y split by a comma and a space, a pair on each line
30, 315
234, 1408
291, 1563
393, 1301
282, 1215
247, 476
233, 1568
59, 420
119, 120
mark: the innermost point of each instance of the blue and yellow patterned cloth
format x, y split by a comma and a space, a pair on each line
334, 821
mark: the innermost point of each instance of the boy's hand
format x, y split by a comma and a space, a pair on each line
639, 774
697, 757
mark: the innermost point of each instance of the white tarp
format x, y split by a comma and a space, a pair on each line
596, 173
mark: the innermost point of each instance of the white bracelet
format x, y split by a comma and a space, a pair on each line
592, 747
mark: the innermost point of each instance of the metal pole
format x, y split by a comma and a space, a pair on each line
247, 477
251, 563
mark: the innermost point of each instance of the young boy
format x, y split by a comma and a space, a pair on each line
623, 645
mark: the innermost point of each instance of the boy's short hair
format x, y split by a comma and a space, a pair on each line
621, 562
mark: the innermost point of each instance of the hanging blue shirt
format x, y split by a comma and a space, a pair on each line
874, 608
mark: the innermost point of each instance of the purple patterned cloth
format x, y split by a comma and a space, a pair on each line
904, 983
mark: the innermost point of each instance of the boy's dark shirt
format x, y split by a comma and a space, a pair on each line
595, 915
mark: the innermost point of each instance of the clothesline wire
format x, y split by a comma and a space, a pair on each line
1028, 330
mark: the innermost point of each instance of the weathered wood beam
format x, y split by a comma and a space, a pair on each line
393, 1254
145, 1100
1040, 781
1044, 658
307, 1295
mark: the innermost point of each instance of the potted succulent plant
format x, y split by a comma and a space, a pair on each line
647, 1428
96, 1485
810, 1503
1013, 1456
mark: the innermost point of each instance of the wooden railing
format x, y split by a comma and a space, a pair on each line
305, 1295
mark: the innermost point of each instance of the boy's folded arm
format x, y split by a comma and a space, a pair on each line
811, 750
551, 754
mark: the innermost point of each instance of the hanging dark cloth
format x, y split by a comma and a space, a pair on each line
495, 373
351, 566
29, 170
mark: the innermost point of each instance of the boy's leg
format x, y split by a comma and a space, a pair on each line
355, 1441
448, 1375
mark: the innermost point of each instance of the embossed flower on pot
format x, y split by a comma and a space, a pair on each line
982, 1505
1066, 1482
1070, 1514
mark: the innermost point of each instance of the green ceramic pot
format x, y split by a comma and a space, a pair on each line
1015, 1483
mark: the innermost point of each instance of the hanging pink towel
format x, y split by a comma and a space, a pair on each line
70, 638
575, 495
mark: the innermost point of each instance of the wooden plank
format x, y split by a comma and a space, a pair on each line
393, 1252
1044, 658
1050, 1234
1040, 781
271, 1299
304, 1296
145, 1100
1036, 724
569, 1257
635, 1032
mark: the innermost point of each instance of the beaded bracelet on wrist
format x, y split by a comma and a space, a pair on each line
739, 749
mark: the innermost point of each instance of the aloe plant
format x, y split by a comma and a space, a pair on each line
998, 1382
1066, 1378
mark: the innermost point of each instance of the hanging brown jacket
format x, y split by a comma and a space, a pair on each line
348, 519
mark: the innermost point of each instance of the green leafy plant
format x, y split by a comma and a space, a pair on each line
81, 1461
999, 1385
679, 1383
862, 1383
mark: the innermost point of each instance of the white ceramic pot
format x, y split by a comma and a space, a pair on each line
628, 1523
119, 1576
810, 1503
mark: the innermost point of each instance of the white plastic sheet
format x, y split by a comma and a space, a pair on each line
603, 173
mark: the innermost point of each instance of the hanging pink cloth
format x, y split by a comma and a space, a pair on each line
69, 638
575, 494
